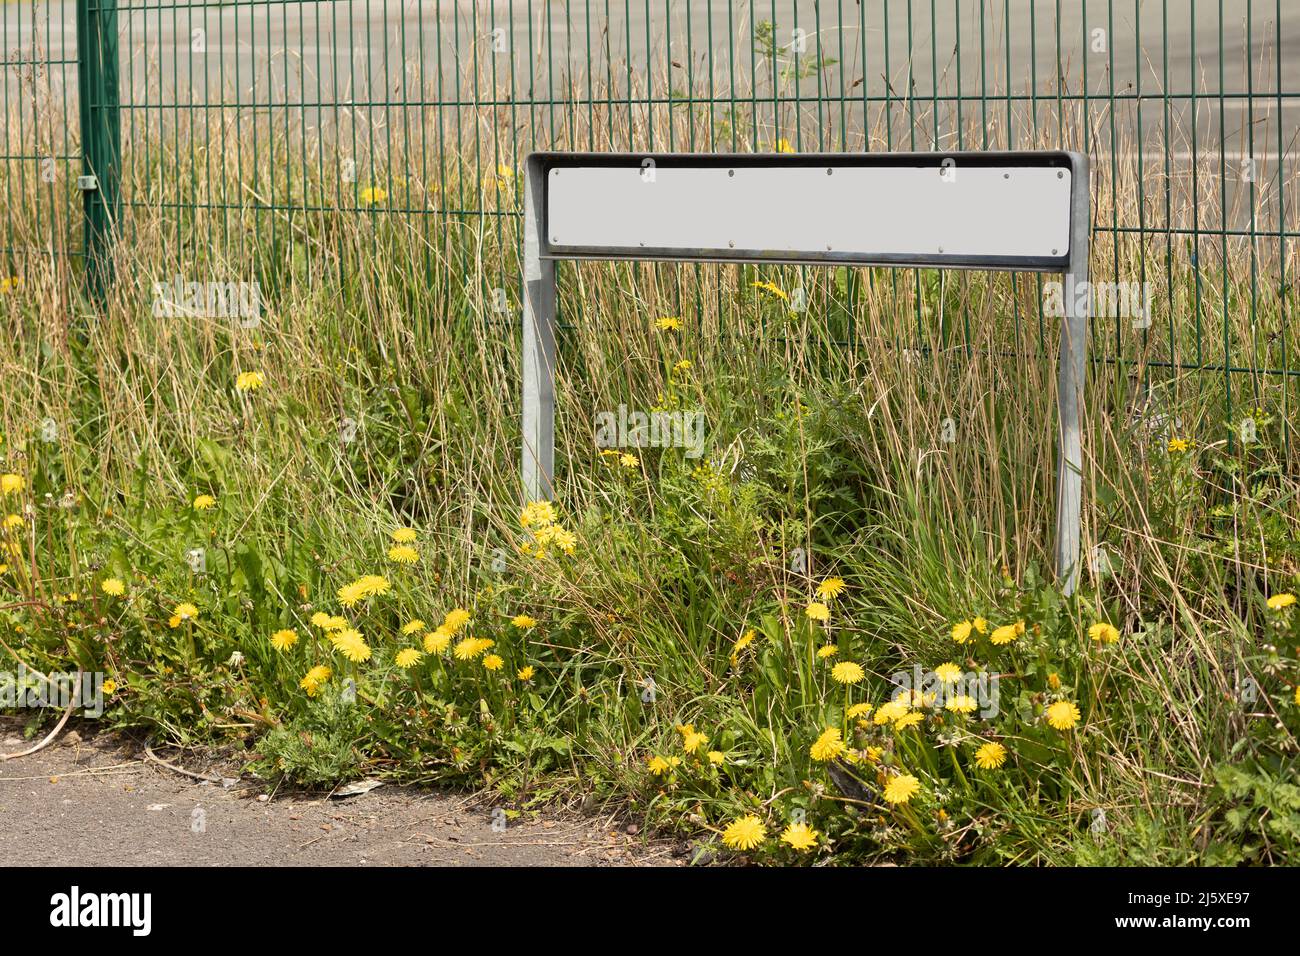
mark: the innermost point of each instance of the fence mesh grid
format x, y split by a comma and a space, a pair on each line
252, 126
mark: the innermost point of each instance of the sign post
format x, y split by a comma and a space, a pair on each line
1007, 211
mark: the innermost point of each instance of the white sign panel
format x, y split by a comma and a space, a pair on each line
946, 214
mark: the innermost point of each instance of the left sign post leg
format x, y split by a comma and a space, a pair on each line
538, 345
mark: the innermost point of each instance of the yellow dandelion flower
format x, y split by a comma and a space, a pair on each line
857, 710
889, 712
351, 644
902, 788
991, 756
1063, 715
980, 625
249, 381
1179, 445
366, 586
744, 834
693, 741
1005, 634
414, 626
11, 484
436, 641
831, 588
343, 635
403, 535
828, 746
523, 622
109, 687
948, 672
1279, 601
962, 704
799, 836
493, 662
847, 672
658, 766
374, 584
314, 678
817, 611
827, 651
718, 758
186, 612
1105, 633
407, 658
961, 631
204, 502
469, 648
351, 594
910, 719
373, 195
526, 673
456, 619
284, 639
320, 619
403, 554
14, 521
668, 323
112, 587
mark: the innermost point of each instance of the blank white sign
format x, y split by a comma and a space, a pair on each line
795, 211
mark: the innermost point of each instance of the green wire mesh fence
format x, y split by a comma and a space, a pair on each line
41, 152
252, 129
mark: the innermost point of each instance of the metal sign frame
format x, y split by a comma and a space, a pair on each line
542, 250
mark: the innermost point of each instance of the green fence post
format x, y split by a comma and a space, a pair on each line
101, 136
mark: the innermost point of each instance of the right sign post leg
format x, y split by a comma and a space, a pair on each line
1069, 397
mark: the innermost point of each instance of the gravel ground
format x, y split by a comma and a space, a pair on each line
95, 802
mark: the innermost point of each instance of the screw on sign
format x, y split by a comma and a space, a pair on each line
1009, 211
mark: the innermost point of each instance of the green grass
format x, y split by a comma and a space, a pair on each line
823, 439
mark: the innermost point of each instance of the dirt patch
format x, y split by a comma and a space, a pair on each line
96, 802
